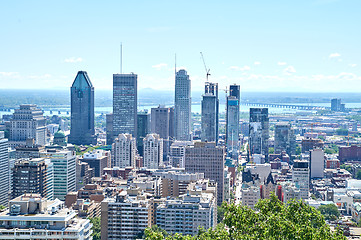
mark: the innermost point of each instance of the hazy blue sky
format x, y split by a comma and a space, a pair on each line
308, 45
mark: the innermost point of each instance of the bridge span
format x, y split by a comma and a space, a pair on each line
289, 106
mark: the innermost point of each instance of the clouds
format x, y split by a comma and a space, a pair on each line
353, 65
8, 74
289, 70
73, 60
257, 63
160, 66
334, 55
281, 63
244, 68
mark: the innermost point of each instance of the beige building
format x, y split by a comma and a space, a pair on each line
124, 151
152, 151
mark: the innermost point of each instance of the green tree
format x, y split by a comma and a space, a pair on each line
220, 212
271, 219
2, 207
342, 131
329, 211
271, 150
358, 174
96, 228
298, 150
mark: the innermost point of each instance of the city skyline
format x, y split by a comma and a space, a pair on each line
307, 46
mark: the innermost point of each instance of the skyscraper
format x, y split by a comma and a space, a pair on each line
27, 122
210, 109
125, 104
258, 131
82, 110
183, 103
284, 139
232, 121
143, 129
4, 169
109, 128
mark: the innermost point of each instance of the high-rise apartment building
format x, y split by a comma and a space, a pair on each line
177, 153
64, 166
153, 151
33, 176
301, 177
125, 104
82, 111
232, 121
143, 122
183, 104
4, 169
210, 109
285, 139
109, 128
258, 131
317, 163
209, 159
27, 122
124, 151
98, 160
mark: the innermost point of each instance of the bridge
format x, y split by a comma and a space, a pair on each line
289, 106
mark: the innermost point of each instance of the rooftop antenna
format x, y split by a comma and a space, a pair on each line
207, 70
121, 58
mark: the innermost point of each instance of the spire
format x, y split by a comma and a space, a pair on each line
82, 81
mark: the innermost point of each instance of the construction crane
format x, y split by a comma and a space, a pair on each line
205, 67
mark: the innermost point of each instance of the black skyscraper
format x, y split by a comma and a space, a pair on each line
82, 110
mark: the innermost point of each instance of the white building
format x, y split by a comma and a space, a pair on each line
124, 151
32, 217
290, 191
153, 151
187, 214
4, 169
64, 168
177, 153
125, 217
317, 163
250, 196
301, 177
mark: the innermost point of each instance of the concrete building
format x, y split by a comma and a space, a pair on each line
28, 150
177, 153
210, 113
186, 214
109, 128
153, 151
125, 104
290, 191
82, 111
308, 144
285, 139
84, 174
183, 104
336, 105
209, 159
317, 163
349, 153
33, 176
232, 121
250, 196
27, 122
258, 131
301, 177
98, 160
32, 217
125, 216
124, 151
4, 169
64, 171
143, 122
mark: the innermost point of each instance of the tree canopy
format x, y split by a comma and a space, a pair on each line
96, 228
271, 219
329, 211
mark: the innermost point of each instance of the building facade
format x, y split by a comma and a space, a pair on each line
284, 139
124, 151
153, 151
232, 121
317, 163
183, 104
82, 111
210, 113
125, 104
27, 122
143, 124
4, 169
98, 160
258, 131
301, 177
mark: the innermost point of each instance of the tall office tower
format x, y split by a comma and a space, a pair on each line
125, 104
109, 127
33, 176
183, 104
232, 121
82, 111
210, 115
153, 151
143, 125
317, 163
177, 153
162, 123
124, 151
98, 160
301, 177
64, 171
258, 131
27, 122
4, 169
284, 139
209, 159
336, 104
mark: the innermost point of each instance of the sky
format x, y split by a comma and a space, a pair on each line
289, 46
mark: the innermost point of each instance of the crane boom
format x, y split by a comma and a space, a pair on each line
205, 67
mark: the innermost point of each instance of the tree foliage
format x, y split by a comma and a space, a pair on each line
96, 228
329, 211
271, 219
